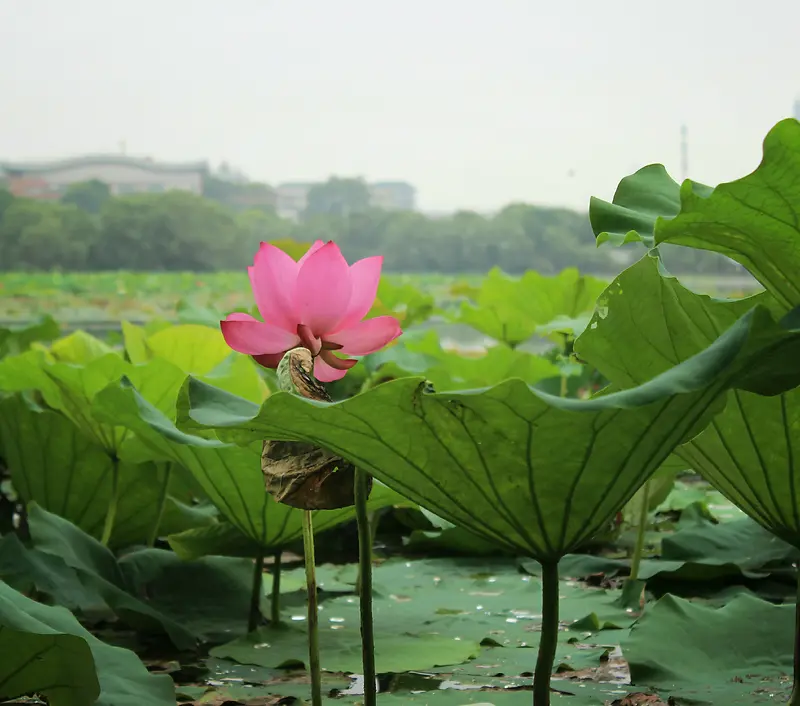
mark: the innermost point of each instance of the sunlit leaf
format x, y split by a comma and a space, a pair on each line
511, 310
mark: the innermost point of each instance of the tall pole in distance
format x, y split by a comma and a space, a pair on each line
684, 152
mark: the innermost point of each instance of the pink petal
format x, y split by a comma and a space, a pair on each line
366, 336
272, 278
326, 373
250, 336
364, 278
316, 246
322, 290
269, 360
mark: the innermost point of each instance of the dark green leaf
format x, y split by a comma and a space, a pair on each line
124, 681
536, 473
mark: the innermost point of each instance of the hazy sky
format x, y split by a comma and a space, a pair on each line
476, 102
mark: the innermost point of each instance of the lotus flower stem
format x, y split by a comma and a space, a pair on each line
111, 513
162, 503
638, 550
254, 618
365, 587
795, 698
313, 615
275, 597
549, 639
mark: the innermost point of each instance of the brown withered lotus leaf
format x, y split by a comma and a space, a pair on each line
301, 474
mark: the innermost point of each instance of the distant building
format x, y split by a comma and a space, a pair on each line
393, 195
292, 197
797, 109
124, 175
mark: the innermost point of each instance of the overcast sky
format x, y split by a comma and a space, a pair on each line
475, 102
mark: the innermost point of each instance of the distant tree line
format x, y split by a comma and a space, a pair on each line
88, 229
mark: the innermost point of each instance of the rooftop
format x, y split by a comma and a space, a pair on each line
102, 159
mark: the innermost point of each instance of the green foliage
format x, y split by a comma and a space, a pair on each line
511, 311
553, 471
164, 426
761, 209
89, 196
337, 196
676, 647
44, 235
749, 450
123, 679
18, 339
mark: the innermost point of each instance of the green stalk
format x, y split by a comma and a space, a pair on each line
313, 615
365, 588
795, 698
254, 618
162, 503
111, 513
549, 638
636, 560
275, 598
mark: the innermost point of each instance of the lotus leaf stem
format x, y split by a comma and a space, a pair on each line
549, 638
313, 615
638, 550
111, 513
365, 587
162, 503
254, 618
275, 597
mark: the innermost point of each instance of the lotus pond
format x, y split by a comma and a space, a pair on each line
606, 496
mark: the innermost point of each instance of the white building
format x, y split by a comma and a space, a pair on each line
124, 175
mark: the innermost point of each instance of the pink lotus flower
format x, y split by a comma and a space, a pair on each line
317, 302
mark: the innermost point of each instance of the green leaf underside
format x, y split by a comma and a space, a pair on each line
57, 666
639, 201
749, 450
230, 475
123, 679
99, 570
497, 461
754, 220
57, 466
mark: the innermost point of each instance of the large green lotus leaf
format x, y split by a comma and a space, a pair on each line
229, 474
537, 473
25, 569
676, 648
749, 450
404, 301
55, 465
98, 569
639, 201
134, 340
193, 348
17, 339
79, 348
197, 350
511, 310
40, 660
647, 322
218, 539
754, 220
447, 370
71, 388
217, 612
123, 679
